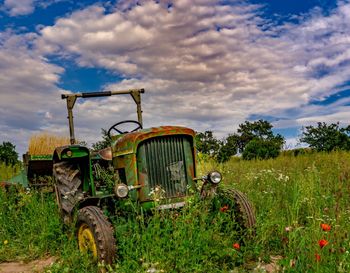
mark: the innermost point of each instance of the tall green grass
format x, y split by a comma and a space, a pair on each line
292, 197
7, 172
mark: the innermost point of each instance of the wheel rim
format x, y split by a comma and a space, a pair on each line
86, 240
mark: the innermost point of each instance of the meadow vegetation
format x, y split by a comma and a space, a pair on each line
302, 208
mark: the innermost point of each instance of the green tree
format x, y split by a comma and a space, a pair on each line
264, 139
228, 148
260, 129
206, 143
257, 140
261, 149
104, 143
324, 137
8, 153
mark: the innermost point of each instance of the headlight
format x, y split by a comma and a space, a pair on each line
121, 190
214, 177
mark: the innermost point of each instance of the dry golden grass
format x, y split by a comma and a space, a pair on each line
45, 143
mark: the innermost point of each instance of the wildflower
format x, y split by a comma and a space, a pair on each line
288, 229
325, 227
224, 208
322, 243
6, 242
318, 257
236, 246
292, 263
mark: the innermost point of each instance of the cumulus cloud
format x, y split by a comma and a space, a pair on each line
209, 63
28, 89
205, 52
204, 64
15, 7
24, 7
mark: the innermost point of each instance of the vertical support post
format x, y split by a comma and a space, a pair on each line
136, 95
70, 104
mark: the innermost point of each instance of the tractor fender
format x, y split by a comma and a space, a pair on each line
76, 151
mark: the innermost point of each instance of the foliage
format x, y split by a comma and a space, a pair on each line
30, 225
229, 147
104, 143
265, 144
261, 149
294, 197
206, 143
260, 129
7, 172
326, 137
8, 153
297, 152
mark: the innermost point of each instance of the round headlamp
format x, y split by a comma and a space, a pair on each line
214, 177
121, 190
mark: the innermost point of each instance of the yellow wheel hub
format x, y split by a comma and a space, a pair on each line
86, 240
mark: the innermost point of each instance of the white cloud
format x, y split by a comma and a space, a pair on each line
25, 7
203, 64
28, 89
238, 66
16, 7
210, 65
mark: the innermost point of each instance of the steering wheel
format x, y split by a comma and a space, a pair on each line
114, 127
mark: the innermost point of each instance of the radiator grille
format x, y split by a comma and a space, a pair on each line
165, 163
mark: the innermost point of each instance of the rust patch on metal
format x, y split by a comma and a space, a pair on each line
106, 154
129, 142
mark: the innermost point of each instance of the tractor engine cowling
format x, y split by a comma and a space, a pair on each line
166, 166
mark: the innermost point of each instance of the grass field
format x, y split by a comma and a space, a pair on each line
303, 218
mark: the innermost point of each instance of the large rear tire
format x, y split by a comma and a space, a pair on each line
67, 185
95, 234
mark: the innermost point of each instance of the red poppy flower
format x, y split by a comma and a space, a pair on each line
236, 246
326, 227
322, 243
224, 208
318, 257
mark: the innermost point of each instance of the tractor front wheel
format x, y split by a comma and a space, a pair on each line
95, 234
238, 203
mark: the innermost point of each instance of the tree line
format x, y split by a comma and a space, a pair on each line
252, 140
256, 140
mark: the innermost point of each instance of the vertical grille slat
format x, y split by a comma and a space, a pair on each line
165, 164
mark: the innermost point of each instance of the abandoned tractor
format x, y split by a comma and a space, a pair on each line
140, 161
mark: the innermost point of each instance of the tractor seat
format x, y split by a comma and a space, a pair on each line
106, 154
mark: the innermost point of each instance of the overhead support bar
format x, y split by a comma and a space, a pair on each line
71, 99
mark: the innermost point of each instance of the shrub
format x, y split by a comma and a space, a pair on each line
261, 149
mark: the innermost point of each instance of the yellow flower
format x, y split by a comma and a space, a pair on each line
6, 242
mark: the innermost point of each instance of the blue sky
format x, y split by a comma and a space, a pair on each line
209, 65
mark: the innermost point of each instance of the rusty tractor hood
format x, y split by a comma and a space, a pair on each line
128, 143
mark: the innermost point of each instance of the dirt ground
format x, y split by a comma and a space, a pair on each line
36, 266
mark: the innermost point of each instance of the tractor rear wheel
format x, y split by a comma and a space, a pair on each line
67, 185
236, 201
95, 234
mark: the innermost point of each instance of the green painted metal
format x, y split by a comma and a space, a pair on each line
82, 154
146, 157
77, 151
165, 162
40, 157
20, 179
128, 143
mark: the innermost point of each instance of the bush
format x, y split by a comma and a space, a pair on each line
261, 149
